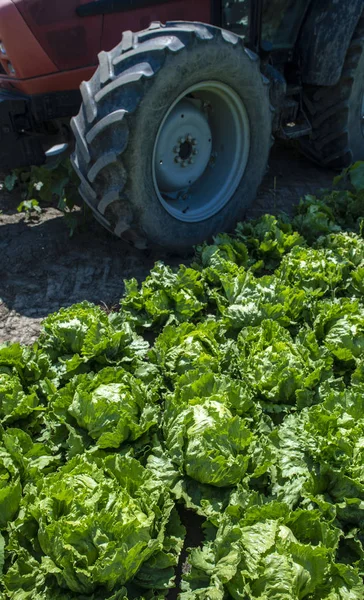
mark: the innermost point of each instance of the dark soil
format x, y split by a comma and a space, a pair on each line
43, 269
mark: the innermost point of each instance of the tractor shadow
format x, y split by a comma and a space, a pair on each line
43, 269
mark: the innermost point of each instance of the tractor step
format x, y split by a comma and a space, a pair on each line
56, 150
292, 131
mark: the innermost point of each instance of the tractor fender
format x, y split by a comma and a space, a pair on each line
325, 38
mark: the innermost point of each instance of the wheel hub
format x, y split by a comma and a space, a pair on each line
185, 151
184, 148
201, 151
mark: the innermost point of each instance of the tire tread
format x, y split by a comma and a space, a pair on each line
131, 65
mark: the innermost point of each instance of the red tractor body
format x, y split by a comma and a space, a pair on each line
53, 46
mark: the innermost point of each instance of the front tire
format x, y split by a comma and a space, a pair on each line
173, 136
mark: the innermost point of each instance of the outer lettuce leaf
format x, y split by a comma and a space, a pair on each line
29, 579
10, 488
318, 272
291, 467
349, 246
178, 350
21, 461
270, 558
83, 336
315, 217
206, 500
2, 553
96, 524
226, 250
326, 313
206, 442
107, 408
15, 404
356, 286
23, 384
345, 339
344, 585
282, 371
32, 459
268, 239
30, 364
165, 297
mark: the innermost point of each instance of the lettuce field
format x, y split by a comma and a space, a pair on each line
232, 388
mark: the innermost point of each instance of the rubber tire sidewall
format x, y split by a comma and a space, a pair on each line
222, 62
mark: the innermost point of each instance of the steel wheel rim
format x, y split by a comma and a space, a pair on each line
209, 117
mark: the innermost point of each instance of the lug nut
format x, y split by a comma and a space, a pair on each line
182, 140
194, 142
189, 138
184, 164
195, 151
176, 149
191, 161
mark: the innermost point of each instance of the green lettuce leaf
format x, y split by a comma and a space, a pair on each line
206, 442
345, 339
165, 297
271, 557
187, 347
280, 370
10, 488
318, 272
112, 406
15, 403
268, 239
97, 524
81, 337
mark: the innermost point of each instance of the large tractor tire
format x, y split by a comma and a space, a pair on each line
173, 135
337, 113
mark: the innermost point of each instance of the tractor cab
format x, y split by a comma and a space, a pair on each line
272, 22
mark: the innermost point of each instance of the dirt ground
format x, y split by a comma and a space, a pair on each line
43, 269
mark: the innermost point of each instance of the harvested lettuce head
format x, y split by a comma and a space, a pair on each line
206, 442
112, 406
282, 370
94, 523
271, 553
15, 403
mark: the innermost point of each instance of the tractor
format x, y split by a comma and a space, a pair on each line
170, 107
